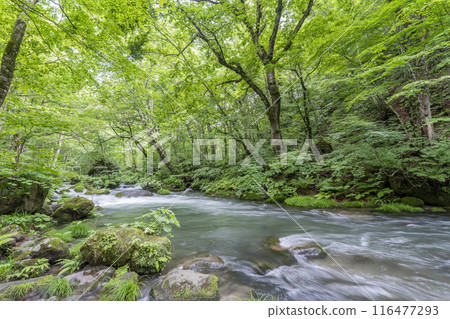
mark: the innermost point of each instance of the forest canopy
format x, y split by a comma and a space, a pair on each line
114, 89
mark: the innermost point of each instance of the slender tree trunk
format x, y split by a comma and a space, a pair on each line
9, 58
425, 115
58, 150
273, 112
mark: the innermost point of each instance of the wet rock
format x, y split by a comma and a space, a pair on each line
119, 246
412, 201
306, 249
74, 209
91, 275
430, 191
262, 267
119, 195
186, 285
50, 248
203, 262
138, 193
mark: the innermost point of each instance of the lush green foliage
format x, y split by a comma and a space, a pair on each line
39, 221
157, 222
59, 287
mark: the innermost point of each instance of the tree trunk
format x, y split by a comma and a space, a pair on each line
58, 150
425, 115
273, 112
9, 58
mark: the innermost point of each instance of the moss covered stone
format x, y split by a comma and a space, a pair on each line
98, 192
119, 246
163, 192
16, 234
119, 195
412, 201
186, 285
398, 208
79, 188
50, 248
76, 208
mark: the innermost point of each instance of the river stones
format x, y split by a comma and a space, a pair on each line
74, 209
50, 248
203, 262
309, 250
137, 193
186, 285
120, 246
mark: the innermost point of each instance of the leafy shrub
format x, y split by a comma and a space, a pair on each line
63, 234
33, 270
157, 222
121, 290
40, 221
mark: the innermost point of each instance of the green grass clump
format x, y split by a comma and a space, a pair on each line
121, 290
398, 208
163, 192
79, 230
307, 201
256, 297
59, 287
438, 210
79, 188
20, 291
63, 234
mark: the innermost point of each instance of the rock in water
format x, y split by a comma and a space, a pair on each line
76, 208
119, 246
50, 248
186, 285
202, 262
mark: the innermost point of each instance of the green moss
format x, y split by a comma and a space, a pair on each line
307, 201
252, 196
163, 192
277, 199
398, 208
412, 201
272, 241
79, 188
99, 192
437, 210
119, 195
210, 290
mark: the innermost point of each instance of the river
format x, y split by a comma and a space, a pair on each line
371, 256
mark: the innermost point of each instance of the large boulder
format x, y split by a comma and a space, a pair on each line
431, 192
186, 285
50, 248
137, 193
119, 246
76, 208
22, 198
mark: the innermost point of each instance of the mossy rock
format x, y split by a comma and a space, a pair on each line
252, 196
98, 192
163, 192
74, 209
50, 248
183, 285
438, 210
276, 199
311, 202
119, 195
398, 208
79, 188
272, 242
412, 201
64, 199
120, 246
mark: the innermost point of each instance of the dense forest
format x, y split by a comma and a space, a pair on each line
308, 103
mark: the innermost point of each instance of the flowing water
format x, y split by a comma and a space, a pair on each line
371, 256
